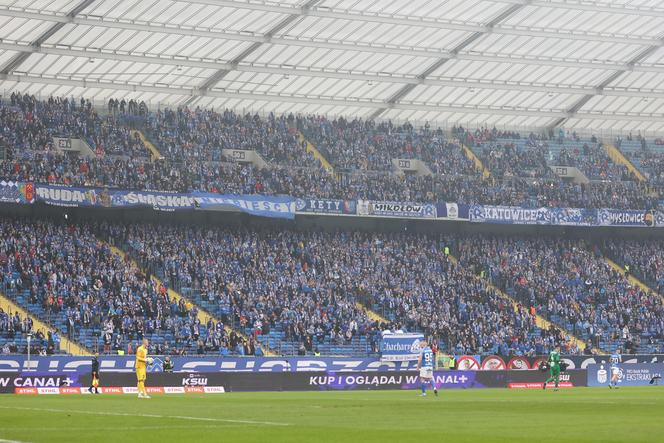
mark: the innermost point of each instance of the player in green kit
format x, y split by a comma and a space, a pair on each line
554, 367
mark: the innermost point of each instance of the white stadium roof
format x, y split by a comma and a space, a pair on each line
511, 63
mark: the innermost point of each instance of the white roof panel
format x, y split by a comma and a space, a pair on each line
504, 62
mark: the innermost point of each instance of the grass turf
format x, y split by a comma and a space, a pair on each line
488, 415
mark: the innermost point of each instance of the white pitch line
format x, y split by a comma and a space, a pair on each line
124, 428
126, 414
2, 440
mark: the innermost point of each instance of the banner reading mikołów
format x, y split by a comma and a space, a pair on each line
396, 209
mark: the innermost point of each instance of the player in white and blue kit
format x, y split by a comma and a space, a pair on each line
425, 366
615, 361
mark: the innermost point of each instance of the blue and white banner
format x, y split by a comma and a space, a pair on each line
286, 206
265, 206
616, 217
396, 209
636, 374
564, 216
452, 211
528, 216
16, 192
508, 215
572, 216
400, 347
322, 206
110, 198
262, 205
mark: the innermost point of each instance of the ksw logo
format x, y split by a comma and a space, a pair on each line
195, 381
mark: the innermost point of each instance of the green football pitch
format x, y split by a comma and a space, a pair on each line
490, 415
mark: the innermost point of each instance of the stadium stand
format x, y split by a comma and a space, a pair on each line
192, 142
248, 214
14, 330
302, 294
203, 135
571, 284
18, 329
64, 275
644, 259
30, 125
366, 145
316, 306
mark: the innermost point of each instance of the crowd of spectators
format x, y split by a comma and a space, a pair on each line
192, 142
521, 164
444, 300
544, 192
568, 280
532, 157
28, 125
483, 135
308, 284
162, 175
202, 135
369, 146
593, 160
648, 157
256, 280
508, 159
653, 164
643, 258
14, 330
618, 195
97, 295
312, 286
132, 107
236, 178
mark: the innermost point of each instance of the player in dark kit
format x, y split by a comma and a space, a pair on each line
95, 374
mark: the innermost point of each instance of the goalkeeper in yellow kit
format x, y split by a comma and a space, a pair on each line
142, 361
